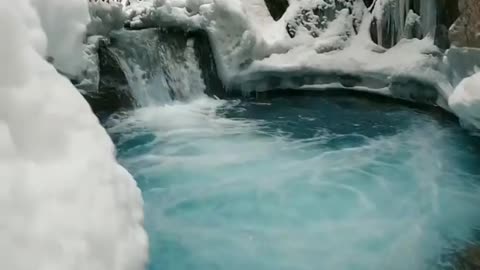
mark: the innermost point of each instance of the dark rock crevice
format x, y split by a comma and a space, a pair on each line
277, 8
113, 93
207, 64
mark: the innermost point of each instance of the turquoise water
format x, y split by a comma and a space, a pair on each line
304, 183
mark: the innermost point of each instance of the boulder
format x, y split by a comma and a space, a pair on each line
465, 31
469, 259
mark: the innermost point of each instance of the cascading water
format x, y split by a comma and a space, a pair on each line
160, 65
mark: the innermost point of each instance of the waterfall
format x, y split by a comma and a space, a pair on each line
160, 65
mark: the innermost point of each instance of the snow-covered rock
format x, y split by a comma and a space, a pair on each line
65, 201
105, 17
465, 101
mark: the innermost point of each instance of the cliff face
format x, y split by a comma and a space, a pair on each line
465, 32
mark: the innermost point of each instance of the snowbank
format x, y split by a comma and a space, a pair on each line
66, 202
465, 101
64, 23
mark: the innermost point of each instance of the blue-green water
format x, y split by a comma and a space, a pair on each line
303, 183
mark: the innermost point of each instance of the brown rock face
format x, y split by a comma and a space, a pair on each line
465, 32
469, 259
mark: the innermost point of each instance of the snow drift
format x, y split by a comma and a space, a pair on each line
66, 202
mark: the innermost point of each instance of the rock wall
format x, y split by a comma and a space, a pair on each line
465, 32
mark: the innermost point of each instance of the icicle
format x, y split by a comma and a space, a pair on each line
428, 14
392, 17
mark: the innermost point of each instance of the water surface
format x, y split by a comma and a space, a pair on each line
301, 183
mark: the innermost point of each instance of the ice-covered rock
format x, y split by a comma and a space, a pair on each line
465, 101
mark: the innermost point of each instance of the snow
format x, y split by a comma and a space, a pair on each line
65, 201
465, 101
64, 23
105, 17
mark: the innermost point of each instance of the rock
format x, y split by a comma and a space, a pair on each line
465, 32
389, 38
277, 8
113, 91
441, 37
469, 259
207, 63
448, 12
368, 3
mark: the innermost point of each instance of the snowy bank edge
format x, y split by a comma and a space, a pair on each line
66, 197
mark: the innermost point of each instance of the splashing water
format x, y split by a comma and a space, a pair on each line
303, 183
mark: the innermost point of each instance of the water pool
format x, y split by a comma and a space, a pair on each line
301, 183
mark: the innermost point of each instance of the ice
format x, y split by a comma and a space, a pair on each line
65, 201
